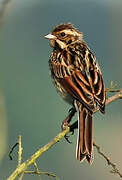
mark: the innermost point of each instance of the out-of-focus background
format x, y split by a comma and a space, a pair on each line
29, 104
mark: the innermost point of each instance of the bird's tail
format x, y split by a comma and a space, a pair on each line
84, 148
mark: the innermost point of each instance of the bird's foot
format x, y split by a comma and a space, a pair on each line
66, 123
63, 126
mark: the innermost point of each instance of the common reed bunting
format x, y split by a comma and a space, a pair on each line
79, 81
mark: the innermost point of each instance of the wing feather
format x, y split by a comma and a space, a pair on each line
82, 80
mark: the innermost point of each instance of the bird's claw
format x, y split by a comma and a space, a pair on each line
64, 124
67, 139
72, 131
71, 109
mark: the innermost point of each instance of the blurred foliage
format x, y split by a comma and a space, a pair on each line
3, 127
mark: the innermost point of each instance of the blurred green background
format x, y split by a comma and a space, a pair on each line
30, 105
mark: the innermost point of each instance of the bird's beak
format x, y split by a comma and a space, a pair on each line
50, 36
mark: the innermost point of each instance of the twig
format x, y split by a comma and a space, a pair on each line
113, 91
112, 86
115, 170
21, 176
42, 173
37, 154
23, 167
20, 150
112, 98
36, 169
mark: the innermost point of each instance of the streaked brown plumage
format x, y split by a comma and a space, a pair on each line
78, 79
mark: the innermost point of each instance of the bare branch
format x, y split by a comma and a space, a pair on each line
20, 151
111, 99
115, 170
50, 174
23, 167
114, 97
37, 154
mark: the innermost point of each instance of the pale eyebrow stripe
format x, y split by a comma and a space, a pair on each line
71, 32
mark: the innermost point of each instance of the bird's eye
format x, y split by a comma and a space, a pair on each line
62, 34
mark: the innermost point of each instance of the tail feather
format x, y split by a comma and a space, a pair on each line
89, 133
85, 136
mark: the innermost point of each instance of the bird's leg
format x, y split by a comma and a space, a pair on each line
73, 127
67, 120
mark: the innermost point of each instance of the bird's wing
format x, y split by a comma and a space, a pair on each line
82, 79
79, 89
98, 89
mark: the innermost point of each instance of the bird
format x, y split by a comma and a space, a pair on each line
78, 79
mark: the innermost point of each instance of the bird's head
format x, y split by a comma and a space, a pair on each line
63, 35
